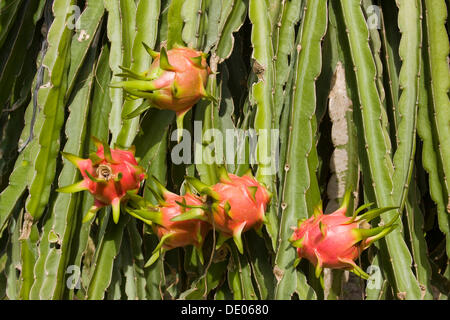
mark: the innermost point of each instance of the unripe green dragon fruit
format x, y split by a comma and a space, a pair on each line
175, 81
163, 219
109, 175
335, 240
238, 204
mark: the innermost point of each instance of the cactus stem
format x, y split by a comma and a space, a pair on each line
180, 118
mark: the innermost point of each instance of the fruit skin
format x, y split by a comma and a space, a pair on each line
238, 204
246, 206
335, 240
109, 174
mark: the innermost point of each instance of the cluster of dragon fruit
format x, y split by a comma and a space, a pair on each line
176, 81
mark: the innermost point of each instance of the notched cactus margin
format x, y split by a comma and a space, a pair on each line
409, 22
438, 50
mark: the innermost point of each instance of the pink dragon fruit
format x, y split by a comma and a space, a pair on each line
175, 81
163, 219
108, 174
335, 240
239, 204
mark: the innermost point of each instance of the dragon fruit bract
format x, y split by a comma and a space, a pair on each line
108, 175
239, 204
335, 240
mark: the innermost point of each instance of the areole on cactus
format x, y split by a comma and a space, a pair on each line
237, 204
175, 81
172, 233
335, 240
109, 175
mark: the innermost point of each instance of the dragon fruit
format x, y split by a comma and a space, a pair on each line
335, 240
109, 175
175, 81
163, 219
239, 204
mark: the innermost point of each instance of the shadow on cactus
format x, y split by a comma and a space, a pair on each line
336, 240
109, 175
175, 81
